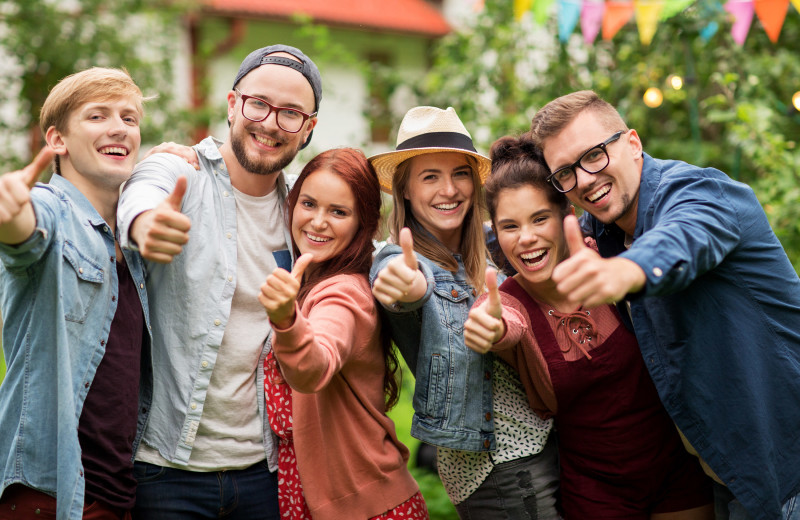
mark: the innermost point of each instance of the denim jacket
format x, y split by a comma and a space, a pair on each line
59, 295
718, 323
191, 297
453, 391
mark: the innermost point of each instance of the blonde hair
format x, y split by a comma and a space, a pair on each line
557, 114
473, 243
75, 90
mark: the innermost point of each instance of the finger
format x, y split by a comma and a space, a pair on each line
573, 234
493, 301
38, 165
407, 243
300, 265
175, 199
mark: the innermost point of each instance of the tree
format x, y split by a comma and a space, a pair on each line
733, 112
45, 40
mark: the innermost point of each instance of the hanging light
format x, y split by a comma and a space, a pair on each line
796, 100
675, 81
653, 97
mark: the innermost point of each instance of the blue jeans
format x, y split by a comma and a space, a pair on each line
726, 507
169, 494
522, 489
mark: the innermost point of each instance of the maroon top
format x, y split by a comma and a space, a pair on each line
107, 425
614, 435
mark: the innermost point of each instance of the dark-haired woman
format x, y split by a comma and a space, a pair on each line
620, 454
331, 374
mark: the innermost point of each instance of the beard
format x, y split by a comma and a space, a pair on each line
260, 165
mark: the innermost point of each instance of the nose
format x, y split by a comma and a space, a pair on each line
583, 179
318, 220
118, 127
527, 235
448, 188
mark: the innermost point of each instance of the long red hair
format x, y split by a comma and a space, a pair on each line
352, 167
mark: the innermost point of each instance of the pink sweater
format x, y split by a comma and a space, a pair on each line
350, 461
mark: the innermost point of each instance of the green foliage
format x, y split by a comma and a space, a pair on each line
733, 113
48, 40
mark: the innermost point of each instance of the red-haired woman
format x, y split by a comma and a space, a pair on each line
327, 395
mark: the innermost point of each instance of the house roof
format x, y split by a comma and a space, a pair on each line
405, 16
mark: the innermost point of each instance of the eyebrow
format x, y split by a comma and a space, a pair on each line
439, 170
340, 206
532, 215
291, 104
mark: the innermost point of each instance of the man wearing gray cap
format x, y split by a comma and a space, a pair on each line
207, 449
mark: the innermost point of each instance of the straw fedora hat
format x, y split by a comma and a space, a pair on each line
428, 130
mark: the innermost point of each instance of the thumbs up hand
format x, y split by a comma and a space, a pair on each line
161, 232
279, 292
590, 280
401, 279
17, 218
484, 326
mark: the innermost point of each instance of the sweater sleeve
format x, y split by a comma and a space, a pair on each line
336, 317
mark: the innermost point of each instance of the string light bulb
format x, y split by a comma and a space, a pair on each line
653, 97
675, 81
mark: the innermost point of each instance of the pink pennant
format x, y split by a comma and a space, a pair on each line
742, 11
592, 19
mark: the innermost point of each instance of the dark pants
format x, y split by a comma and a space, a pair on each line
175, 494
522, 489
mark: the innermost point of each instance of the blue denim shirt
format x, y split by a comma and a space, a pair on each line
718, 323
191, 297
59, 296
453, 391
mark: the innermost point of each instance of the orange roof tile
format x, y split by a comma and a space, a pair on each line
407, 16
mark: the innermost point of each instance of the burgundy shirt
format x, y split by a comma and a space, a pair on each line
107, 424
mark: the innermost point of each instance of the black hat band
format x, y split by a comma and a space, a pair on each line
438, 140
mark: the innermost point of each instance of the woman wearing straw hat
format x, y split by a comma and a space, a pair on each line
493, 454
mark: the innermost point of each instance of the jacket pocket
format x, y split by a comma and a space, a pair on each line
453, 305
79, 291
437, 387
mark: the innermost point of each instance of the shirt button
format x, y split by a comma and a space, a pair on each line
488, 416
80, 270
230, 278
86, 384
105, 228
657, 271
225, 193
486, 443
38, 511
113, 298
204, 364
111, 258
194, 406
217, 322
102, 342
487, 375
228, 235
141, 286
454, 293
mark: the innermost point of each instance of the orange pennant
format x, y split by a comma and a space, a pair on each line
617, 14
772, 13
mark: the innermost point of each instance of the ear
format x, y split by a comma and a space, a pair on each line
231, 104
635, 144
310, 124
55, 140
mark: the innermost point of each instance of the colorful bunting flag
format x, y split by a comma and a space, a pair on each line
541, 11
592, 19
742, 11
796, 4
618, 13
568, 13
772, 14
647, 14
520, 8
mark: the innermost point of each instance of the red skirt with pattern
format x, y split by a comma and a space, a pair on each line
291, 501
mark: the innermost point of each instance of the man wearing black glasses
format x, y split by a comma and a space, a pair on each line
708, 288
207, 234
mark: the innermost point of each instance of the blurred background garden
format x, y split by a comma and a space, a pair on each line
712, 82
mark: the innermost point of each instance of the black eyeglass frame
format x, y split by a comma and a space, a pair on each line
577, 164
273, 108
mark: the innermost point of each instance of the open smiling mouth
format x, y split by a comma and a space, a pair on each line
534, 258
116, 151
599, 194
448, 206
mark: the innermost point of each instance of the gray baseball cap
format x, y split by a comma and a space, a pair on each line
304, 66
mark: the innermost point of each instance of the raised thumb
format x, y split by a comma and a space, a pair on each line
38, 165
175, 199
573, 234
407, 243
493, 305
300, 265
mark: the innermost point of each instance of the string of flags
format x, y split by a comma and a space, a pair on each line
607, 17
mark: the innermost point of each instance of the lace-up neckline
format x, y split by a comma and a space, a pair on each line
579, 326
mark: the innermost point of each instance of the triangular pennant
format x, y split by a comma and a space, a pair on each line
796, 4
478, 6
647, 13
520, 7
708, 32
772, 13
569, 11
617, 14
674, 7
592, 19
541, 11
742, 11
